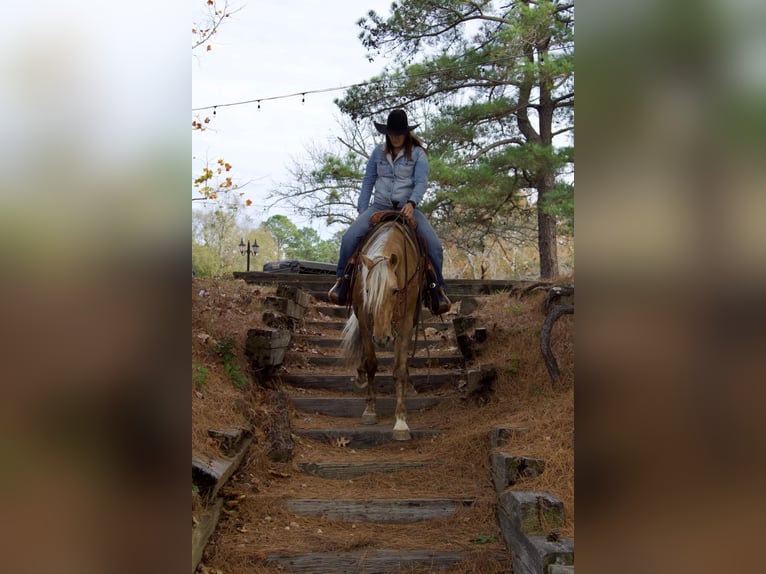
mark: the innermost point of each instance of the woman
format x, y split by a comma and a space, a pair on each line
398, 171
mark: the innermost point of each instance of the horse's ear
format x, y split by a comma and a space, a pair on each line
367, 261
393, 260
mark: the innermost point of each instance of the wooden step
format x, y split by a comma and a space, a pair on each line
338, 326
362, 436
371, 561
354, 406
313, 341
322, 283
384, 383
349, 470
321, 294
419, 362
343, 312
393, 511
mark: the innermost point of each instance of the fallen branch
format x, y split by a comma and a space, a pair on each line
545, 338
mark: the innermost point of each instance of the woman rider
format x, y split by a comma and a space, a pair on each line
398, 172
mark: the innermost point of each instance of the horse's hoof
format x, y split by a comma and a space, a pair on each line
369, 419
402, 435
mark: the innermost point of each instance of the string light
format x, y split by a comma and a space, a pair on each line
387, 83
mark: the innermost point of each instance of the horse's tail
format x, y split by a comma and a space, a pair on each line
351, 346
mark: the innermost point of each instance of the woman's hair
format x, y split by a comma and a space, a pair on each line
410, 141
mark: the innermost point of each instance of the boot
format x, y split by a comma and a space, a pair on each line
443, 303
337, 293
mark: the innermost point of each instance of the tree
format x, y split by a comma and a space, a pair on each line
284, 232
216, 233
494, 88
325, 184
304, 243
209, 183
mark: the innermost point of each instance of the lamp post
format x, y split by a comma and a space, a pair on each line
248, 250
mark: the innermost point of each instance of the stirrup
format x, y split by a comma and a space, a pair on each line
337, 293
443, 304
332, 294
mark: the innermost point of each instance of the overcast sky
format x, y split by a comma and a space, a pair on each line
273, 48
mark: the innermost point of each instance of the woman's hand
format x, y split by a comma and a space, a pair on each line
407, 210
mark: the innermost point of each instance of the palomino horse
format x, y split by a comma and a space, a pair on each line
386, 299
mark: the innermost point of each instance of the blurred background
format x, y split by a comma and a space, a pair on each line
671, 250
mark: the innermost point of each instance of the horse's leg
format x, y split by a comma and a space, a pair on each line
401, 381
365, 376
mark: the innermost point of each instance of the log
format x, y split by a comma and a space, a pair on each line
202, 532
545, 339
266, 348
296, 294
501, 436
481, 383
278, 431
211, 473
229, 440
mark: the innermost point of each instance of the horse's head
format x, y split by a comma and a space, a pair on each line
381, 289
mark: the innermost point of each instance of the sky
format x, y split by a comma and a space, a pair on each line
273, 48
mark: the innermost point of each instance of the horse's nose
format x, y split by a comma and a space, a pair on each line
382, 341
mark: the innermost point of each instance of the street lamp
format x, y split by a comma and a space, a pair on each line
242, 250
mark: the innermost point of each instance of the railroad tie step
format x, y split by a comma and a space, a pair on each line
353, 407
337, 341
361, 437
371, 561
355, 469
390, 511
419, 362
384, 383
338, 325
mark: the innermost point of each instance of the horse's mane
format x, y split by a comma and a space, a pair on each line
375, 280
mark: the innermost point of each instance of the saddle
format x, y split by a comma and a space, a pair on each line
428, 292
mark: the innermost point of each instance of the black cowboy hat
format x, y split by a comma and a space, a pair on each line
396, 124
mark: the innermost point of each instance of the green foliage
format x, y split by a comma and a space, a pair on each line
303, 243
225, 350
492, 86
199, 375
495, 96
513, 364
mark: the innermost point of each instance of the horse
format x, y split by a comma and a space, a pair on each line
386, 290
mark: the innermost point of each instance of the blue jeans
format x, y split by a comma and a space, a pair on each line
357, 230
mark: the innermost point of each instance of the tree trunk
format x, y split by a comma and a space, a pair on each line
546, 232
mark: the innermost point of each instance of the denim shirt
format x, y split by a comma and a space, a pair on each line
399, 181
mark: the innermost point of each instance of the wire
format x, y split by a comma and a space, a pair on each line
338, 88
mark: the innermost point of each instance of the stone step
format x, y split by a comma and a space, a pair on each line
372, 561
353, 407
384, 383
362, 436
419, 362
350, 470
389, 511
